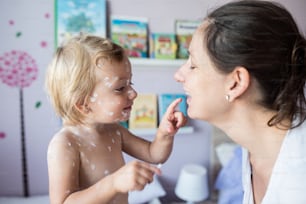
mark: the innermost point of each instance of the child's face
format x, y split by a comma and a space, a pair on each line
113, 96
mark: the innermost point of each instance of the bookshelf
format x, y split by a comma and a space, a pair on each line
183, 130
158, 65
148, 62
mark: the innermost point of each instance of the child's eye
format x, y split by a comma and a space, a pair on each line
192, 67
120, 89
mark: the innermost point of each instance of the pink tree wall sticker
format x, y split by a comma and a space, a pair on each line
18, 69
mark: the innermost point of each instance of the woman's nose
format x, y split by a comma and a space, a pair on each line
178, 76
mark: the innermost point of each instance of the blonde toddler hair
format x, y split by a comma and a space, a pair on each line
71, 76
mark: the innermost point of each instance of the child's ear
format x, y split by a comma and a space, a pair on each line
238, 82
83, 108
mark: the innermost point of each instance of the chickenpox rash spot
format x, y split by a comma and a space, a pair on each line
93, 98
69, 144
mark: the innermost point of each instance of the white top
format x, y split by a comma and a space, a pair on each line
287, 183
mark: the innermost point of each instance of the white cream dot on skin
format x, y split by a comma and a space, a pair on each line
130, 92
106, 172
109, 148
82, 154
113, 140
93, 98
124, 114
93, 167
118, 132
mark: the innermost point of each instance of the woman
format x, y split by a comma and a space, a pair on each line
246, 75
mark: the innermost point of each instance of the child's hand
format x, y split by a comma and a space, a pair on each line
172, 120
134, 176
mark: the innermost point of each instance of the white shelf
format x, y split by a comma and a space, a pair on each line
183, 130
147, 62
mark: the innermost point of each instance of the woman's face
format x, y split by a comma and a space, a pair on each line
202, 83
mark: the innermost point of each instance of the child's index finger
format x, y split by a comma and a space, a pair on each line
171, 108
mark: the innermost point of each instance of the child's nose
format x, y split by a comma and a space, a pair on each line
132, 94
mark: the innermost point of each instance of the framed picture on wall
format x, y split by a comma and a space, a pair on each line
75, 16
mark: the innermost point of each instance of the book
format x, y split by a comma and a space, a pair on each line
76, 16
184, 30
165, 99
124, 124
144, 112
163, 45
132, 34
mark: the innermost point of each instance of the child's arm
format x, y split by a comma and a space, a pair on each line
63, 167
160, 148
171, 122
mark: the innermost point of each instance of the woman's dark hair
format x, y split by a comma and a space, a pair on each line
263, 37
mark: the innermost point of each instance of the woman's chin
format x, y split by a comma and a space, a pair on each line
190, 113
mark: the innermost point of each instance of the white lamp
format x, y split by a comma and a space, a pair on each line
192, 184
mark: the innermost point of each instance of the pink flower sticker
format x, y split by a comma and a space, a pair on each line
43, 44
17, 69
2, 135
47, 15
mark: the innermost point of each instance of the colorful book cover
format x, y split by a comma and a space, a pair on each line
132, 34
165, 99
144, 112
184, 30
124, 124
75, 16
163, 45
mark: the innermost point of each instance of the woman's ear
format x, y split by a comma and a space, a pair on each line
238, 83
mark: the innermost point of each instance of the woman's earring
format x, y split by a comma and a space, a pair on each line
227, 97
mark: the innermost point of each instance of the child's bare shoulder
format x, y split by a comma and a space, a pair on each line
64, 139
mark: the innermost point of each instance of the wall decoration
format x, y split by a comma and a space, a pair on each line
19, 69
2, 135
75, 16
